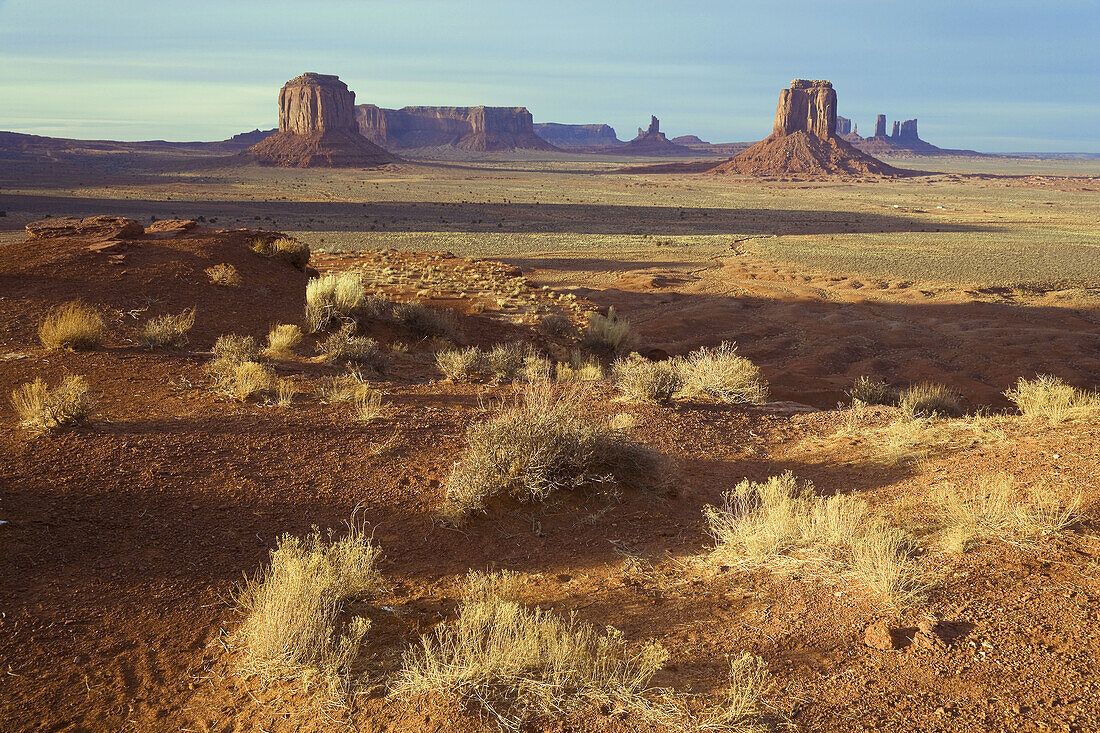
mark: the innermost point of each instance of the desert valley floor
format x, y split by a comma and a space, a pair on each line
125, 540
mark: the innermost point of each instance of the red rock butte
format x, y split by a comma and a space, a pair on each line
804, 140
317, 128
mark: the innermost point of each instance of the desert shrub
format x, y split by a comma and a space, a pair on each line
995, 508
928, 399
505, 362
344, 347
344, 387
1051, 398
73, 325
557, 325
422, 320
779, 524
537, 368
518, 664
721, 374
370, 404
459, 364
285, 389
252, 379
333, 297
293, 607
608, 334
225, 275
544, 445
871, 391
42, 410
641, 380
580, 368
229, 352
284, 248
282, 339
167, 331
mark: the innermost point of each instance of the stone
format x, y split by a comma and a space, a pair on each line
878, 636
98, 227
880, 126
467, 128
316, 103
808, 106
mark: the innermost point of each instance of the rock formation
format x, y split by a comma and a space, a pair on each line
843, 125
650, 141
880, 126
577, 136
908, 130
897, 129
689, 140
468, 128
317, 127
804, 140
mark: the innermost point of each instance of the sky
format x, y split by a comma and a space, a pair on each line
1007, 76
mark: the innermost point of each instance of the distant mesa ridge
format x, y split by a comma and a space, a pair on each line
468, 128
317, 128
577, 136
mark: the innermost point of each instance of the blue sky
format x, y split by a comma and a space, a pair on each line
1003, 76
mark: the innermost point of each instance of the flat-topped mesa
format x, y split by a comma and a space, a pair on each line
470, 128
843, 125
808, 106
316, 103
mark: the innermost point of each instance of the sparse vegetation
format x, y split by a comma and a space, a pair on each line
253, 379
282, 339
871, 392
722, 375
225, 275
994, 508
344, 387
285, 389
344, 347
778, 524
284, 248
928, 399
424, 321
459, 364
1050, 398
518, 664
504, 362
369, 404
641, 380
229, 352
293, 607
542, 446
167, 331
331, 298
608, 334
42, 410
73, 325
579, 369
557, 325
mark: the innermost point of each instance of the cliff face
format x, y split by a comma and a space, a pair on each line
809, 106
577, 135
468, 128
651, 141
316, 103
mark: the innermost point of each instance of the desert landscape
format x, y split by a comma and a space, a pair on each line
448, 419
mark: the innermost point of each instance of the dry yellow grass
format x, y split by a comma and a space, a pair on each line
722, 375
42, 410
285, 389
1050, 398
282, 339
224, 274
608, 334
580, 368
73, 325
519, 664
252, 379
927, 399
652, 382
293, 607
344, 347
167, 331
286, 249
781, 525
994, 508
544, 445
424, 321
333, 297
370, 404
871, 392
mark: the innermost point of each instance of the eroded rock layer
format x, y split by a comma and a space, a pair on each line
468, 128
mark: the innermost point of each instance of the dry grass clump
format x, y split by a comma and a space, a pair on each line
779, 525
424, 321
284, 248
1050, 398
459, 364
928, 399
282, 339
285, 389
370, 404
42, 410
579, 368
518, 664
996, 509
293, 607
608, 334
871, 392
542, 446
504, 362
344, 387
229, 352
722, 375
557, 325
333, 297
344, 347
167, 331
641, 380
253, 379
72, 325
224, 274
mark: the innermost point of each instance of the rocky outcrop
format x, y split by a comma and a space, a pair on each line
843, 126
651, 141
317, 128
467, 128
880, 126
251, 138
95, 227
809, 106
689, 140
577, 136
907, 130
804, 140
897, 129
